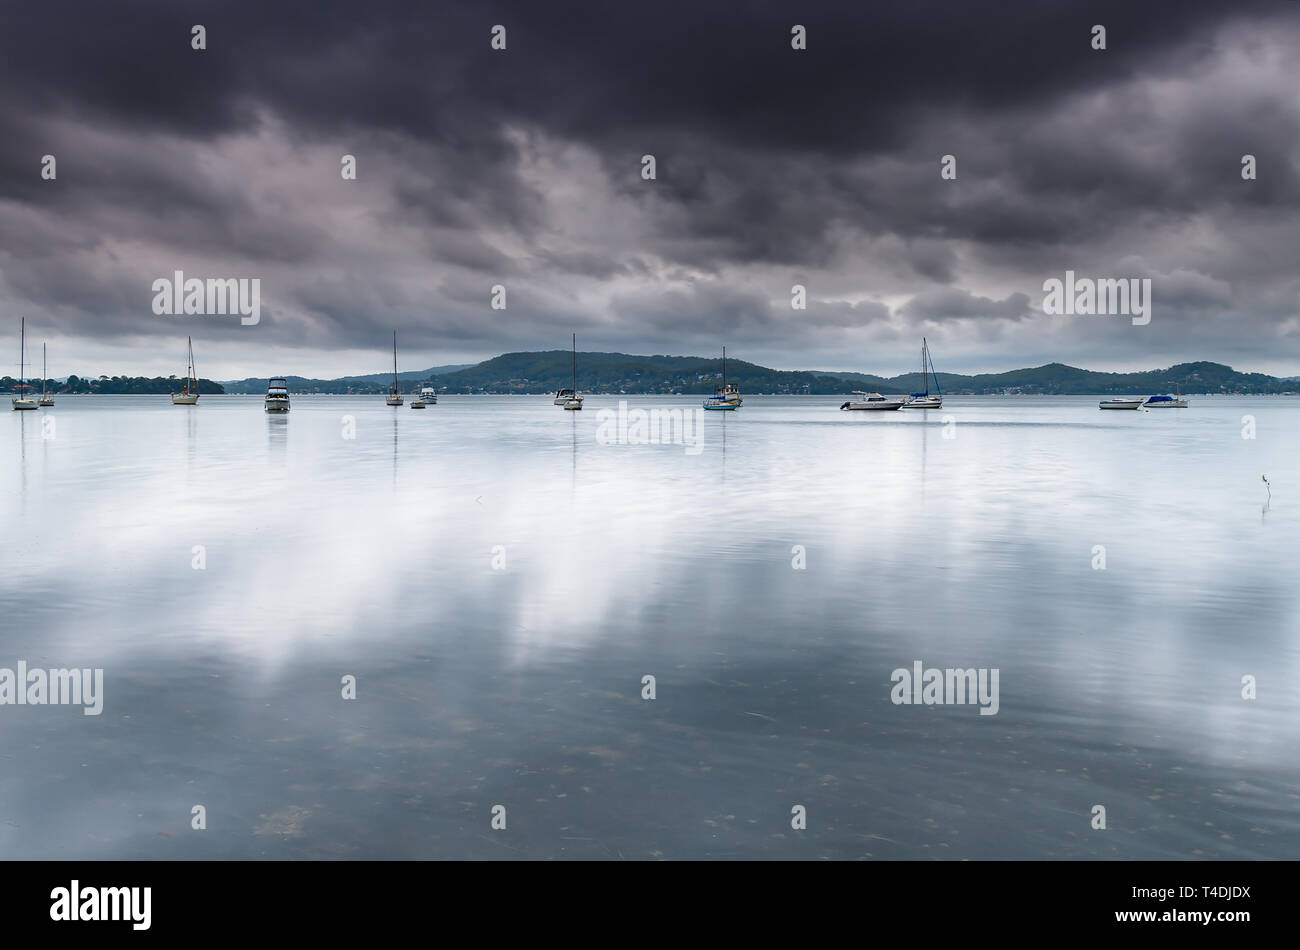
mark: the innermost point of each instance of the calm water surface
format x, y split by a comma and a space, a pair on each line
498, 581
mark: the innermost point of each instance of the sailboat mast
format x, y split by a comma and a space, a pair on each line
394, 362
575, 364
44, 369
724, 368
194, 375
22, 352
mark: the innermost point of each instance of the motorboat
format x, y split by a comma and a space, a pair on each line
874, 401
1121, 402
277, 395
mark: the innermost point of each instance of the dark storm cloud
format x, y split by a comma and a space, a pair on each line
774, 167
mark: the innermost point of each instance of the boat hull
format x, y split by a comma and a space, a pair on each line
46, 401
185, 399
923, 402
1120, 404
24, 404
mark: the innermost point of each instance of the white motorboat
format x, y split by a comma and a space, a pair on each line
570, 398
22, 400
727, 395
394, 398
1121, 402
46, 399
277, 395
926, 400
188, 396
874, 401
428, 396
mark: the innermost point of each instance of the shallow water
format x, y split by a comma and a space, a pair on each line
499, 581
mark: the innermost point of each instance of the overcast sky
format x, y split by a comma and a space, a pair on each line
775, 166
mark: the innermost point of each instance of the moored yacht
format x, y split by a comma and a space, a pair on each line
46, 399
727, 396
1121, 402
1167, 402
277, 395
570, 398
926, 400
22, 400
394, 398
189, 396
428, 395
874, 401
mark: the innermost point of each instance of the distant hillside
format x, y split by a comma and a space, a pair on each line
369, 383
619, 372
623, 373
547, 371
115, 385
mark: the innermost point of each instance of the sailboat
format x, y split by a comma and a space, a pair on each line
189, 396
22, 401
727, 395
46, 399
1168, 402
394, 398
924, 400
572, 400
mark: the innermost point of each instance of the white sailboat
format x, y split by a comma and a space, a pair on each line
394, 397
189, 396
1168, 402
1121, 402
46, 399
924, 400
569, 398
22, 401
727, 396
277, 395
